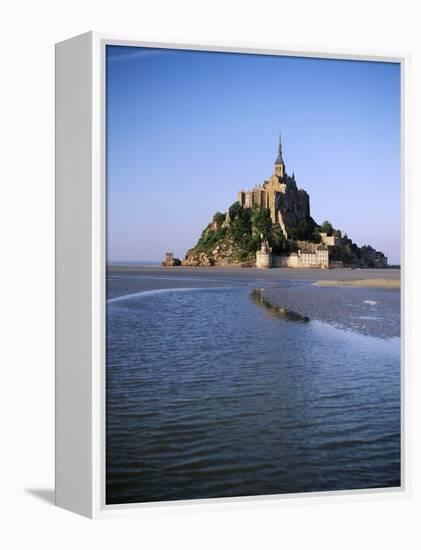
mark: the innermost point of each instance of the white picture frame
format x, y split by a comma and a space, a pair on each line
80, 272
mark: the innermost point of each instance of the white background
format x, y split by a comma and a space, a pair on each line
29, 30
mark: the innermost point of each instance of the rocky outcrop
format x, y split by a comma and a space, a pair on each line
225, 253
351, 255
195, 259
294, 205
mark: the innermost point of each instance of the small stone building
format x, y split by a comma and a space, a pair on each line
331, 240
170, 261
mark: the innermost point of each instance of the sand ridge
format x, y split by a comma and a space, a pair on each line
362, 283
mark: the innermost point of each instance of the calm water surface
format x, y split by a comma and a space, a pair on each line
210, 395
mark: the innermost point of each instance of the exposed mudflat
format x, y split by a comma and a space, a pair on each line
252, 273
360, 283
370, 311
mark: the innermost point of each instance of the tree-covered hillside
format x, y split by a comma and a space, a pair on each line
235, 239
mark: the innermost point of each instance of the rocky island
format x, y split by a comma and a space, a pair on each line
271, 226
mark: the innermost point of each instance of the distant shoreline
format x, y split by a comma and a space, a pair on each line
363, 283
253, 273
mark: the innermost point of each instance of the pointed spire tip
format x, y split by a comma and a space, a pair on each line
279, 159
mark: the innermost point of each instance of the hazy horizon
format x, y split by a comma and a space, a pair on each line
187, 130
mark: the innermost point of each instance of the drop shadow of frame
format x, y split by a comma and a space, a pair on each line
47, 495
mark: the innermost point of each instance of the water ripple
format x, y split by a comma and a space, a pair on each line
209, 395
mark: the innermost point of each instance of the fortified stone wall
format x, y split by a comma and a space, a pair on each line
263, 259
317, 259
285, 260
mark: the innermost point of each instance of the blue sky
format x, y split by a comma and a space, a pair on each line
186, 130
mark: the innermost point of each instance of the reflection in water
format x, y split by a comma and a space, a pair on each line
209, 396
278, 311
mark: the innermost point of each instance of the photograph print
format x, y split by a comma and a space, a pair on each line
253, 275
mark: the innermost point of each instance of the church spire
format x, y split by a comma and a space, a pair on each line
279, 162
279, 159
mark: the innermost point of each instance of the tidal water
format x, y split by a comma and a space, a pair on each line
211, 395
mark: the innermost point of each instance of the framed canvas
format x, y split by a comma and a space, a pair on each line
230, 274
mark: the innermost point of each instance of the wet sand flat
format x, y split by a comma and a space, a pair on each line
371, 311
363, 283
252, 273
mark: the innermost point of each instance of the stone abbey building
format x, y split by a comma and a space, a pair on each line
288, 205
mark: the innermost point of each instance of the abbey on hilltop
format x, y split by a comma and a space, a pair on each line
270, 225
287, 204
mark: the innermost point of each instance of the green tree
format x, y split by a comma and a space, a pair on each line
316, 238
305, 230
240, 228
327, 227
219, 219
277, 239
261, 222
290, 246
235, 210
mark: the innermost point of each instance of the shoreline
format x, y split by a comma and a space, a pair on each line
362, 283
253, 273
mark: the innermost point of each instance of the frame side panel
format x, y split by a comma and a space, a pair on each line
73, 274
